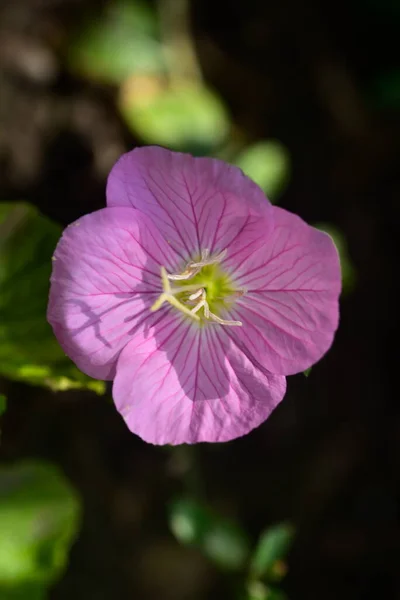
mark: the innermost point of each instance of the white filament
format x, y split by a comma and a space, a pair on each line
193, 268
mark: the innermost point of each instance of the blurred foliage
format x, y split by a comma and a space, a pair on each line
221, 540
386, 90
268, 557
122, 46
118, 42
30, 591
226, 544
267, 162
348, 271
39, 518
184, 116
28, 349
259, 591
3, 404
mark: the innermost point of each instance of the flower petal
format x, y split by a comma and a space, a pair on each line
290, 310
106, 275
188, 384
196, 203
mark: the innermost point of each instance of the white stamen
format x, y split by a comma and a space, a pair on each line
198, 307
224, 321
203, 302
185, 275
196, 294
193, 268
205, 260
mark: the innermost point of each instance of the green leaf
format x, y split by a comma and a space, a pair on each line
307, 371
348, 271
274, 594
386, 90
39, 519
268, 163
24, 592
272, 547
3, 404
28, 349
117, 43
185, 117
256, 590
221, 540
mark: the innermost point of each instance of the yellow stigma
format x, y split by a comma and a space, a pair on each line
168, 295
203, 290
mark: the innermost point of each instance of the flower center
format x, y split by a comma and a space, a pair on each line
200, 291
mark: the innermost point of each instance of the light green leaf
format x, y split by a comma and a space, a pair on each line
272, 547
39, 518
307, 371
256, 590
28, 349
348, 271
120, 41
221, 540
268, 163
3, 404
185, 117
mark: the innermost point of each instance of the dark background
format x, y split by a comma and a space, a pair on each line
328, 459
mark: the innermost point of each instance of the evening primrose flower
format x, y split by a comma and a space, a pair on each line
194, 295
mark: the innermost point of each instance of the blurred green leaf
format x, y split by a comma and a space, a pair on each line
39, 518
274, 594
268, 163
221, 540
348, 270
256, 590
185, 117
271, 550
3, 404
386, 90
28, 349
24, 592
307, 371
117, 43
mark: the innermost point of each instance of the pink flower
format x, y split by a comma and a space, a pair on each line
194, 294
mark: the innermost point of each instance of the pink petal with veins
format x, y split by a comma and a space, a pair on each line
106, 275
185, 384
290, 310
196, 203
